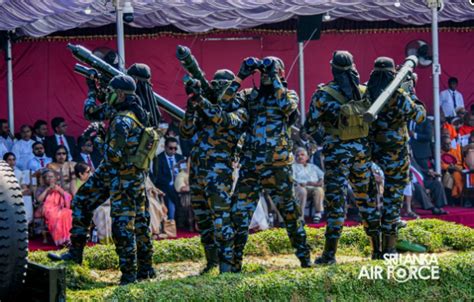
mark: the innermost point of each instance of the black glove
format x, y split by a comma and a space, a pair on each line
192, 86
248, 66
193, 102
91, 84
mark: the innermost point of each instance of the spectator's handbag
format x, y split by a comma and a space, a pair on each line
169, 228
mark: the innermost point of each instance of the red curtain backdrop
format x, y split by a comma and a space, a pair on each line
45, 85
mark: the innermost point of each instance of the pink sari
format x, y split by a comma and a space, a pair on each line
58, 216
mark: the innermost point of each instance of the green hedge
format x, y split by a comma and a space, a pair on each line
435, 234
334, 283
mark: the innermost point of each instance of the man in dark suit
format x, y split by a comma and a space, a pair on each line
60, 138
165, 169
40, 130
87, 153
428, 179
421, 140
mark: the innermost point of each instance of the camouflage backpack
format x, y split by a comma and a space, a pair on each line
350, 123
148, 143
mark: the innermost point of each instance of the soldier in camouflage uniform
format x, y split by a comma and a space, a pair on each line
267, 157
346, 160
218, 126
389, 141
120, 180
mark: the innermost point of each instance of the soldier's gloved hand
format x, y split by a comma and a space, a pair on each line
192, 86
193, 102
248, 66
91, 84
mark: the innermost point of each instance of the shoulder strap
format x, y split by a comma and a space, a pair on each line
131, 115
334, 93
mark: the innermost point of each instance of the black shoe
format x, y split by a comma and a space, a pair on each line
212, 260
389, 242
225, 268
438, 211
376, 244
305, 262
329, 252
146, 274
127, 279
68, 256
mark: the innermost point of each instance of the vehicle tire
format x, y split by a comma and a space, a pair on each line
13, 234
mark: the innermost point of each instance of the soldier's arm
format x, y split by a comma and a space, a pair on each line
316, 109
411, 110
94, 112
188, 125
117, 138
234, 119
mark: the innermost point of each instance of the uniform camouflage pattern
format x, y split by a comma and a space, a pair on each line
389, 141
347, 163
124, 184
266, 164
218, 128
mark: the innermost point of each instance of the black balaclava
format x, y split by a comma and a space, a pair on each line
381, 76
345, 74
144, 91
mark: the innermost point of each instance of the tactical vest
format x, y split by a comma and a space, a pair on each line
350, 123
147, 145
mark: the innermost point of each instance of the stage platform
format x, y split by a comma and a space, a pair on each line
459, 215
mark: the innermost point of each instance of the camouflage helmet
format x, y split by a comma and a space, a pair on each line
224, 74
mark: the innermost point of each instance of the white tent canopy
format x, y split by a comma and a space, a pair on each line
42, 17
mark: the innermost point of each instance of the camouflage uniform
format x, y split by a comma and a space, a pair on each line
218, 128
266, 164
346, 161
389, 142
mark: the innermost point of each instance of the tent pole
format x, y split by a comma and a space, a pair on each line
436, 73
301, 76
120, 36
8, 58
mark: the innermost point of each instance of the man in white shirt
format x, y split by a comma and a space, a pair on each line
40, 160
23, 148
6, 138
451, 99
309, 183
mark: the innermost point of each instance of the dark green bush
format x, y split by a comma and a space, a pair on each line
333, 283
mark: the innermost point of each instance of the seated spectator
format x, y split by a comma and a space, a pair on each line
23, 148
466, 129
185, 216
427, 178
82, 172
40, 131
408, 197
420, 141
39, 160
87, 153
165, 170
170, 132
158, 210
6, 137
63, 167
461, 112
447, 126
468, 152
309, 183
60, 139
24, 180
451, 164
56, 204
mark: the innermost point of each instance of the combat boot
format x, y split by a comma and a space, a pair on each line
305, 262
329, 252
389, 242
236, 266
376, 244
127, 279
144, 274
212, 259
225, 267
75, 252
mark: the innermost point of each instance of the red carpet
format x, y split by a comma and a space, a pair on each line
456, 214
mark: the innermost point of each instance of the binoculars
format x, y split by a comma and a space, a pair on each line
264, 65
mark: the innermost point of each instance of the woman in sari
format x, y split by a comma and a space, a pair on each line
56, 203
63, 167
